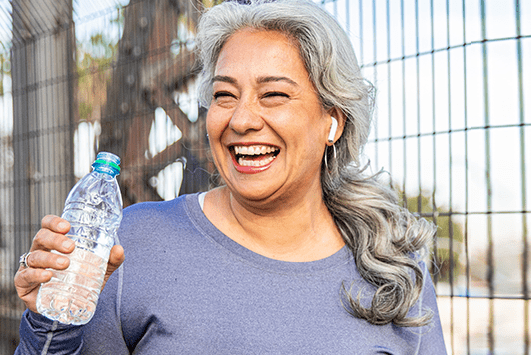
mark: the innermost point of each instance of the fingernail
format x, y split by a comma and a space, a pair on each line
67, 244
62, 261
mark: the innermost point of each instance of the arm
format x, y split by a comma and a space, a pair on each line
102, 335
37, 333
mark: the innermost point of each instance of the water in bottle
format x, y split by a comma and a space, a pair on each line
94, 209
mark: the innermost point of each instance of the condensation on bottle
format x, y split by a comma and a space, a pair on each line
94, 209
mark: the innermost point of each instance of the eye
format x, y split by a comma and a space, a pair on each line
275, 94
274, 98
224, 99
221, 94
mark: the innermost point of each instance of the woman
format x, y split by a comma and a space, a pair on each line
297, 253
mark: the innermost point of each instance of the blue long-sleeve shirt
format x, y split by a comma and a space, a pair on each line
186, 288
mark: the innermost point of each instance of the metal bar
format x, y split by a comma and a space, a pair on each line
465, 113
375, 79
360, 19
419, 150
404, 113
496, 297
466, 44
525, 242
473, 213
490, 241
70, 179
389, 95
3, 197
525, 124
434, 140
347, 12
450, 181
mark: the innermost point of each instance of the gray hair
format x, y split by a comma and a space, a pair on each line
382, 236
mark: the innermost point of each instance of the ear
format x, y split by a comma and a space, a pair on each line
336, 128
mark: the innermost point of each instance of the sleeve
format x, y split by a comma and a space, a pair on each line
102, 335
39, 335
431, 339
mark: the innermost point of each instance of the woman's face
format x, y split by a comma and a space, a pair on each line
266, 125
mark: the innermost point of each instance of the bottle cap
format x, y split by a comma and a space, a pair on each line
107, 163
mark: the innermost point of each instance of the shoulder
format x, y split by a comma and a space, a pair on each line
155, 222
153, 209
175, 210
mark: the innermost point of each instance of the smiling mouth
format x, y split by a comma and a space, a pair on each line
257, 156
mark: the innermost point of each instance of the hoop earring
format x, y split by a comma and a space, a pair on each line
326, 156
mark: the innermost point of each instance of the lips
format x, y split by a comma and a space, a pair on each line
253, 158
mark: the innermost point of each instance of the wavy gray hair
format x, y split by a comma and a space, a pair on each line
384, 238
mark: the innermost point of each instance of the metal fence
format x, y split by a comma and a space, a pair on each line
451, 124
451, 127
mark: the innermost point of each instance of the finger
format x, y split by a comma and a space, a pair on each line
116, 258
40, 259
45, 239
56, 224
27, 280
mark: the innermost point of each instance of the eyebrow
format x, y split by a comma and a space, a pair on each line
260, 80
268, 79
225, 79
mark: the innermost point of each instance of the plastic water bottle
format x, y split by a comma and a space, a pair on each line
94, 209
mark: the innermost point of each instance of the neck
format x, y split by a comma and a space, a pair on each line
301, 229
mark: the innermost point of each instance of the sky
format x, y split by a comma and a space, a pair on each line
427, 93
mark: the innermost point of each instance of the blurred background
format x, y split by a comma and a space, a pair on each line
452, 127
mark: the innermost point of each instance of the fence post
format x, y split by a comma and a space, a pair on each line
43, 58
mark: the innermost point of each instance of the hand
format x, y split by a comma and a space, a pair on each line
52, 236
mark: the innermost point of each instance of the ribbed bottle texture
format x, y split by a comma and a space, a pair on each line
94, 210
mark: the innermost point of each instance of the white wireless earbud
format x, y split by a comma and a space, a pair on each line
333, 130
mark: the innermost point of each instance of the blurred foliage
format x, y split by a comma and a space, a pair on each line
450, 235
2, 61
94, 72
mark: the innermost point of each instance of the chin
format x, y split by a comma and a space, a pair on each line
256, 195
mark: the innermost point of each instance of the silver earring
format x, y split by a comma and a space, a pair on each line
326, 156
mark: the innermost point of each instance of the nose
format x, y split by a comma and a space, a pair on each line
245, 118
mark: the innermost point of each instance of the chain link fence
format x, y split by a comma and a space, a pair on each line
451, 127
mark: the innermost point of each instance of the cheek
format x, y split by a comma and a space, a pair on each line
214, 126
314, 133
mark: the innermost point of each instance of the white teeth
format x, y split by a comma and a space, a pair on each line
253, 149
255, 163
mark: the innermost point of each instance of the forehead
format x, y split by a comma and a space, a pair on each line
260, 52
